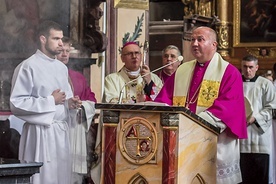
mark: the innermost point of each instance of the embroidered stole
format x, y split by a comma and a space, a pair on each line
133, 89
210, 85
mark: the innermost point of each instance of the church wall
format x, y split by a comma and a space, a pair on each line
236, 53
127, 19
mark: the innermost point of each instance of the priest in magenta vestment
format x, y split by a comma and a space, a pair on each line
212, 88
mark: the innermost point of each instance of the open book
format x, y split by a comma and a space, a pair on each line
152, 103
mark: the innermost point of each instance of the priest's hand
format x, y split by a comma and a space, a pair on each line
146, 71
59, 96
74, 102
251, 121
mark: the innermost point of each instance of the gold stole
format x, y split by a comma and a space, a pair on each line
133, 89
210, 85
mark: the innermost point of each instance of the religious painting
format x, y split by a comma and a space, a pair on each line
254, 23
134, 4
19, 19
18, 22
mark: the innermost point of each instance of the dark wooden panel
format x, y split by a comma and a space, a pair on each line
158, 43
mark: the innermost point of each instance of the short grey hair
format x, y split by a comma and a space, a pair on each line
170, 47
250, 58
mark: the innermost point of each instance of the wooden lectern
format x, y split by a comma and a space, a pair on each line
153, 144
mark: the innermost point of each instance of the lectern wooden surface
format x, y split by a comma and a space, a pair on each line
156, 144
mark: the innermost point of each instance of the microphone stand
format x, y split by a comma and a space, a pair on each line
180, 58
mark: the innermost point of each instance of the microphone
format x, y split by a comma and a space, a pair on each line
179, 58
146, 50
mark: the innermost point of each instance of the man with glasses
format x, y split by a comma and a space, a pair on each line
133, 81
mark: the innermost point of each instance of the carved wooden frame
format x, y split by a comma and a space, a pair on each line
136, 4
237, 14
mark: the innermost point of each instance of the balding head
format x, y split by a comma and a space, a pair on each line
211, 33
203, 43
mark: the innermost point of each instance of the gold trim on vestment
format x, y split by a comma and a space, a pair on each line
179, 101
209, 87
208, 93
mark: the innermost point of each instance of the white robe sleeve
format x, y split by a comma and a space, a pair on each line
31, 96
112, 88
30, 108
263, 106
89, 108
210, 118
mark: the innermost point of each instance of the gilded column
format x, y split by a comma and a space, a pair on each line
223, 27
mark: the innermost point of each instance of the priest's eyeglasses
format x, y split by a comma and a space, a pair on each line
130, 54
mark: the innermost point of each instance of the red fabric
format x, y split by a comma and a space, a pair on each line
129, 43
5, 113
81, 88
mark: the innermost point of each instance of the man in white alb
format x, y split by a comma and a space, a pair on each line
42, 96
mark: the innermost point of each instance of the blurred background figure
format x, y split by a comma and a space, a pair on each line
169, 55
269, 75
256, 151
80, 133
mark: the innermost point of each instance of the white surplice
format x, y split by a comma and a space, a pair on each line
78, 138
261, 95
45, 135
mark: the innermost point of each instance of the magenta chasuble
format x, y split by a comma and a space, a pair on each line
227, 106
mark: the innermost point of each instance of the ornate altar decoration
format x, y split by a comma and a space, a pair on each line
203, 12
136, 33
262, 52
91, 37
144, 144
201, 7
135, 4
137, 140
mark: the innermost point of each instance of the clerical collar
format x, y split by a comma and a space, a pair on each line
132, 74
250, 80
203, 64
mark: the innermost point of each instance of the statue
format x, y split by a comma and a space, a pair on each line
201, 7
204, 8
189, 7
